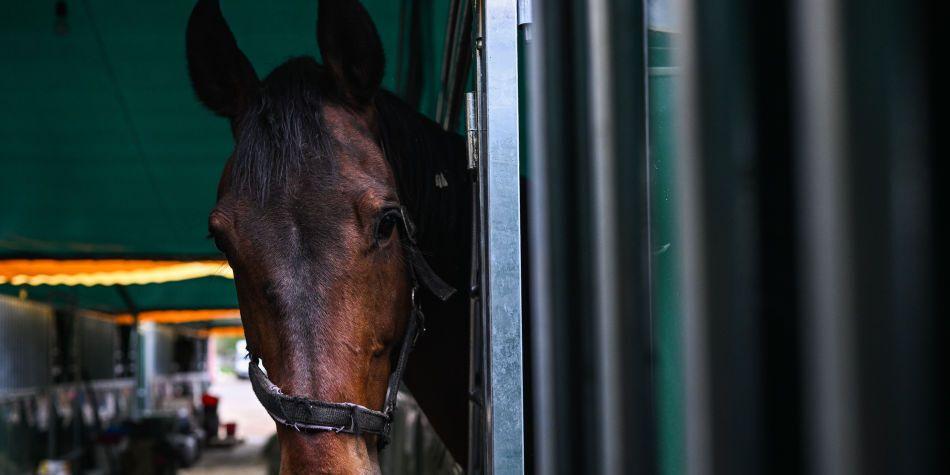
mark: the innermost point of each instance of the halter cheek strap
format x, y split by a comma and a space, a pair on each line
304, 413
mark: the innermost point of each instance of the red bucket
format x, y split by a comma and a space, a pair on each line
208, 400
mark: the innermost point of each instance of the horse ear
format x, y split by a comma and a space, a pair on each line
351, 49
221, 75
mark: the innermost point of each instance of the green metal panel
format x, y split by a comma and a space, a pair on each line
666, 311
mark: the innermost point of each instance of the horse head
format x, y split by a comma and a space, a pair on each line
308, 216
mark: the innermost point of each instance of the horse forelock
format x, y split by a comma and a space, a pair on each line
282, 134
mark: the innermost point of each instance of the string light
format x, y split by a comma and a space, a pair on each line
107, 272
179, 316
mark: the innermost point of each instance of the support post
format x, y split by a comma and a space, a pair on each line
135, 350
500, 178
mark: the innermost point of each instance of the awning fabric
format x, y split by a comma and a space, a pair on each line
205, 293
181, 316
106, 153
89, 272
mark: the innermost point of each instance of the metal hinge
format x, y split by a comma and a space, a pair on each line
524, 12
525, 18
471, 128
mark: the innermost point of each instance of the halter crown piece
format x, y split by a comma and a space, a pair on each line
344, 417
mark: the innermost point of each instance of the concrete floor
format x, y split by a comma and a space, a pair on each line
239, 405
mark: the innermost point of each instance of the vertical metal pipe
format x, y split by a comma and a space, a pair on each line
477, 390
603, 186
826, 280
482, 336
692, 264
136, 349
542, 326
448, 60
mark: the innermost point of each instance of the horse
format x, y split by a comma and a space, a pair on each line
328, 174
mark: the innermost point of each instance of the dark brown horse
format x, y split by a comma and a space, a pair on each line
321, 154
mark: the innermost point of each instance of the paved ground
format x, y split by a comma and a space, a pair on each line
238, 404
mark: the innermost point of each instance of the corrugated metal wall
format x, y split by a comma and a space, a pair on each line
25, 330
28, 339
165, 352
29, 344
98, 347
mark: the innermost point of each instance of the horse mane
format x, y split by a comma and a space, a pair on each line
429, 165
282, 132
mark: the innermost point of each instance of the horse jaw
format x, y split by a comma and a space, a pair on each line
303, 452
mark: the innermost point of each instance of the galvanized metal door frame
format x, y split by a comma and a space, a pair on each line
500, 233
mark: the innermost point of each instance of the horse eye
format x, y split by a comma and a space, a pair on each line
385, 226
217, 243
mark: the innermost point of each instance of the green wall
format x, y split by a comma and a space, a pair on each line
663, 77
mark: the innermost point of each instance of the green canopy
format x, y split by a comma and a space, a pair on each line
107, 153
210, 292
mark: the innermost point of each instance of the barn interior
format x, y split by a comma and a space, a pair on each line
119, 327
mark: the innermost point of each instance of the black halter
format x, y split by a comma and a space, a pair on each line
344, 417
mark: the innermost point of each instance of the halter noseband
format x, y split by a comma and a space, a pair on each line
344, 417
